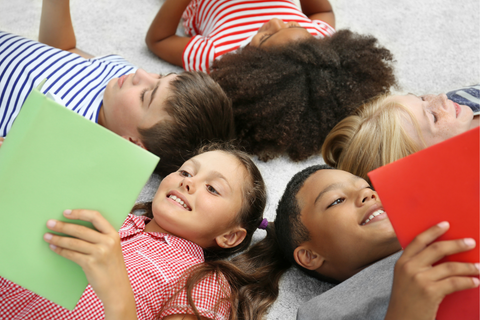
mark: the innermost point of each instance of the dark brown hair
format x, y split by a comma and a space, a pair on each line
200, 112
249, 218
286, 99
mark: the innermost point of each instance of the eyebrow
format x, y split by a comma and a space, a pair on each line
331, 187
152, 96
215, 173
265, 39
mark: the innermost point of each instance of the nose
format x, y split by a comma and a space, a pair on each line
188, 184
366, 195
276, 24
438, 102
143, 77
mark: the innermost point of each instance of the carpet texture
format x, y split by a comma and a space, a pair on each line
436, 45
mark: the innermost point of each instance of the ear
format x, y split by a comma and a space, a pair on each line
307, 258
232, 238
136, 141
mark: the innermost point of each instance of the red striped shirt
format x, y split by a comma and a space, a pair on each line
154, 261
221, 26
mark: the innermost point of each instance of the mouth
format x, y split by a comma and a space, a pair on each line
179, 200
457, 109
121, 80
371, 217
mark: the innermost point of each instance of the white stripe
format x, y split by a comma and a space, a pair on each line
468, 96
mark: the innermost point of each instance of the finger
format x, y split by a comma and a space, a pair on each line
454, 284
422, 240
450, 269
74, 256
75, 230
440, 249
94, 217
68, 243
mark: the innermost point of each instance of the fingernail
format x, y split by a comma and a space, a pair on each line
469, 242
47, 236
444, 224
53, 247
476, 281
67, 211
477, 265
51, 223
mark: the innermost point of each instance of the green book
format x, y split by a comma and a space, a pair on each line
52, 160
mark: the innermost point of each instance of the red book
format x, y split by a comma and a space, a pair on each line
439, 183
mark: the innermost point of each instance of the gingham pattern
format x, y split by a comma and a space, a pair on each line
77, 83
155, 263
221, 26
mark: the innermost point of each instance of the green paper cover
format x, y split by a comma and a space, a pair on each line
52, 160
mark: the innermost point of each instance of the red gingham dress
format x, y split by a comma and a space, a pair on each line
154, 261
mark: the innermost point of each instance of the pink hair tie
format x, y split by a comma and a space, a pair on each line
263, 225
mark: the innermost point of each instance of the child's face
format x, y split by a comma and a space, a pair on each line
210, 187
438, 117
336, 207
135, 101
276, 32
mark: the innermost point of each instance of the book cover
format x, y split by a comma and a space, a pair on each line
439, 183
52, 160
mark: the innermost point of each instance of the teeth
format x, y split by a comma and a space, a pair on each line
373, 215
178, 200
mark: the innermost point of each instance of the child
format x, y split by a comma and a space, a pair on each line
206, 210
168, 115
394, 126
289, 81
325, 227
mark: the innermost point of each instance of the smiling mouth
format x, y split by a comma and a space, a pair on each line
373, 215
179, 201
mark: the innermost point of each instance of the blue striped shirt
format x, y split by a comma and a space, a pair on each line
76, 82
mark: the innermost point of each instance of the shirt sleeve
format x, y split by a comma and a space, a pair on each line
324, 28
198, 54
210, 297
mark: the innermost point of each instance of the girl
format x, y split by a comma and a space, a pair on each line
289, 82
168, 115
392, 127
205, 211
324, 228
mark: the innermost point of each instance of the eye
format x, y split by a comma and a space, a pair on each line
338, 201
434, 117
212, 189
142, 94
185, 173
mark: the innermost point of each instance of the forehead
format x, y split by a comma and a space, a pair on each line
221, 162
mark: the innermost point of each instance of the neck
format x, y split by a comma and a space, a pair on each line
475, 122
101, 117
152, 226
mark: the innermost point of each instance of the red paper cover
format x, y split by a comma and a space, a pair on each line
440, 183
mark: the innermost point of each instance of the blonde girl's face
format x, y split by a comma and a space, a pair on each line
275, 32
201, 200
438, 117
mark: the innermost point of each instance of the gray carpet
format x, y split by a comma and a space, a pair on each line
435, 43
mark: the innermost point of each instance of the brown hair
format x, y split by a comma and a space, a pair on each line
200, 112
286, 99
371, 137
249, 218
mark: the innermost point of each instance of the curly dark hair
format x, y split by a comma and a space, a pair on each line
286, 99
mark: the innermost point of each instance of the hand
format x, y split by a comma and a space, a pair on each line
99, 253
418, 287
1, 141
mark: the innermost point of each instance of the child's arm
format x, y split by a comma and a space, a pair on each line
56, 27
161, 38
418, 287
100, 255
318, 10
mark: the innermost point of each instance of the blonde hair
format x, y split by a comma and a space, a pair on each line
371, 137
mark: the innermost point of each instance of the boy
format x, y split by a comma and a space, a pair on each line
333, 226
167, 115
